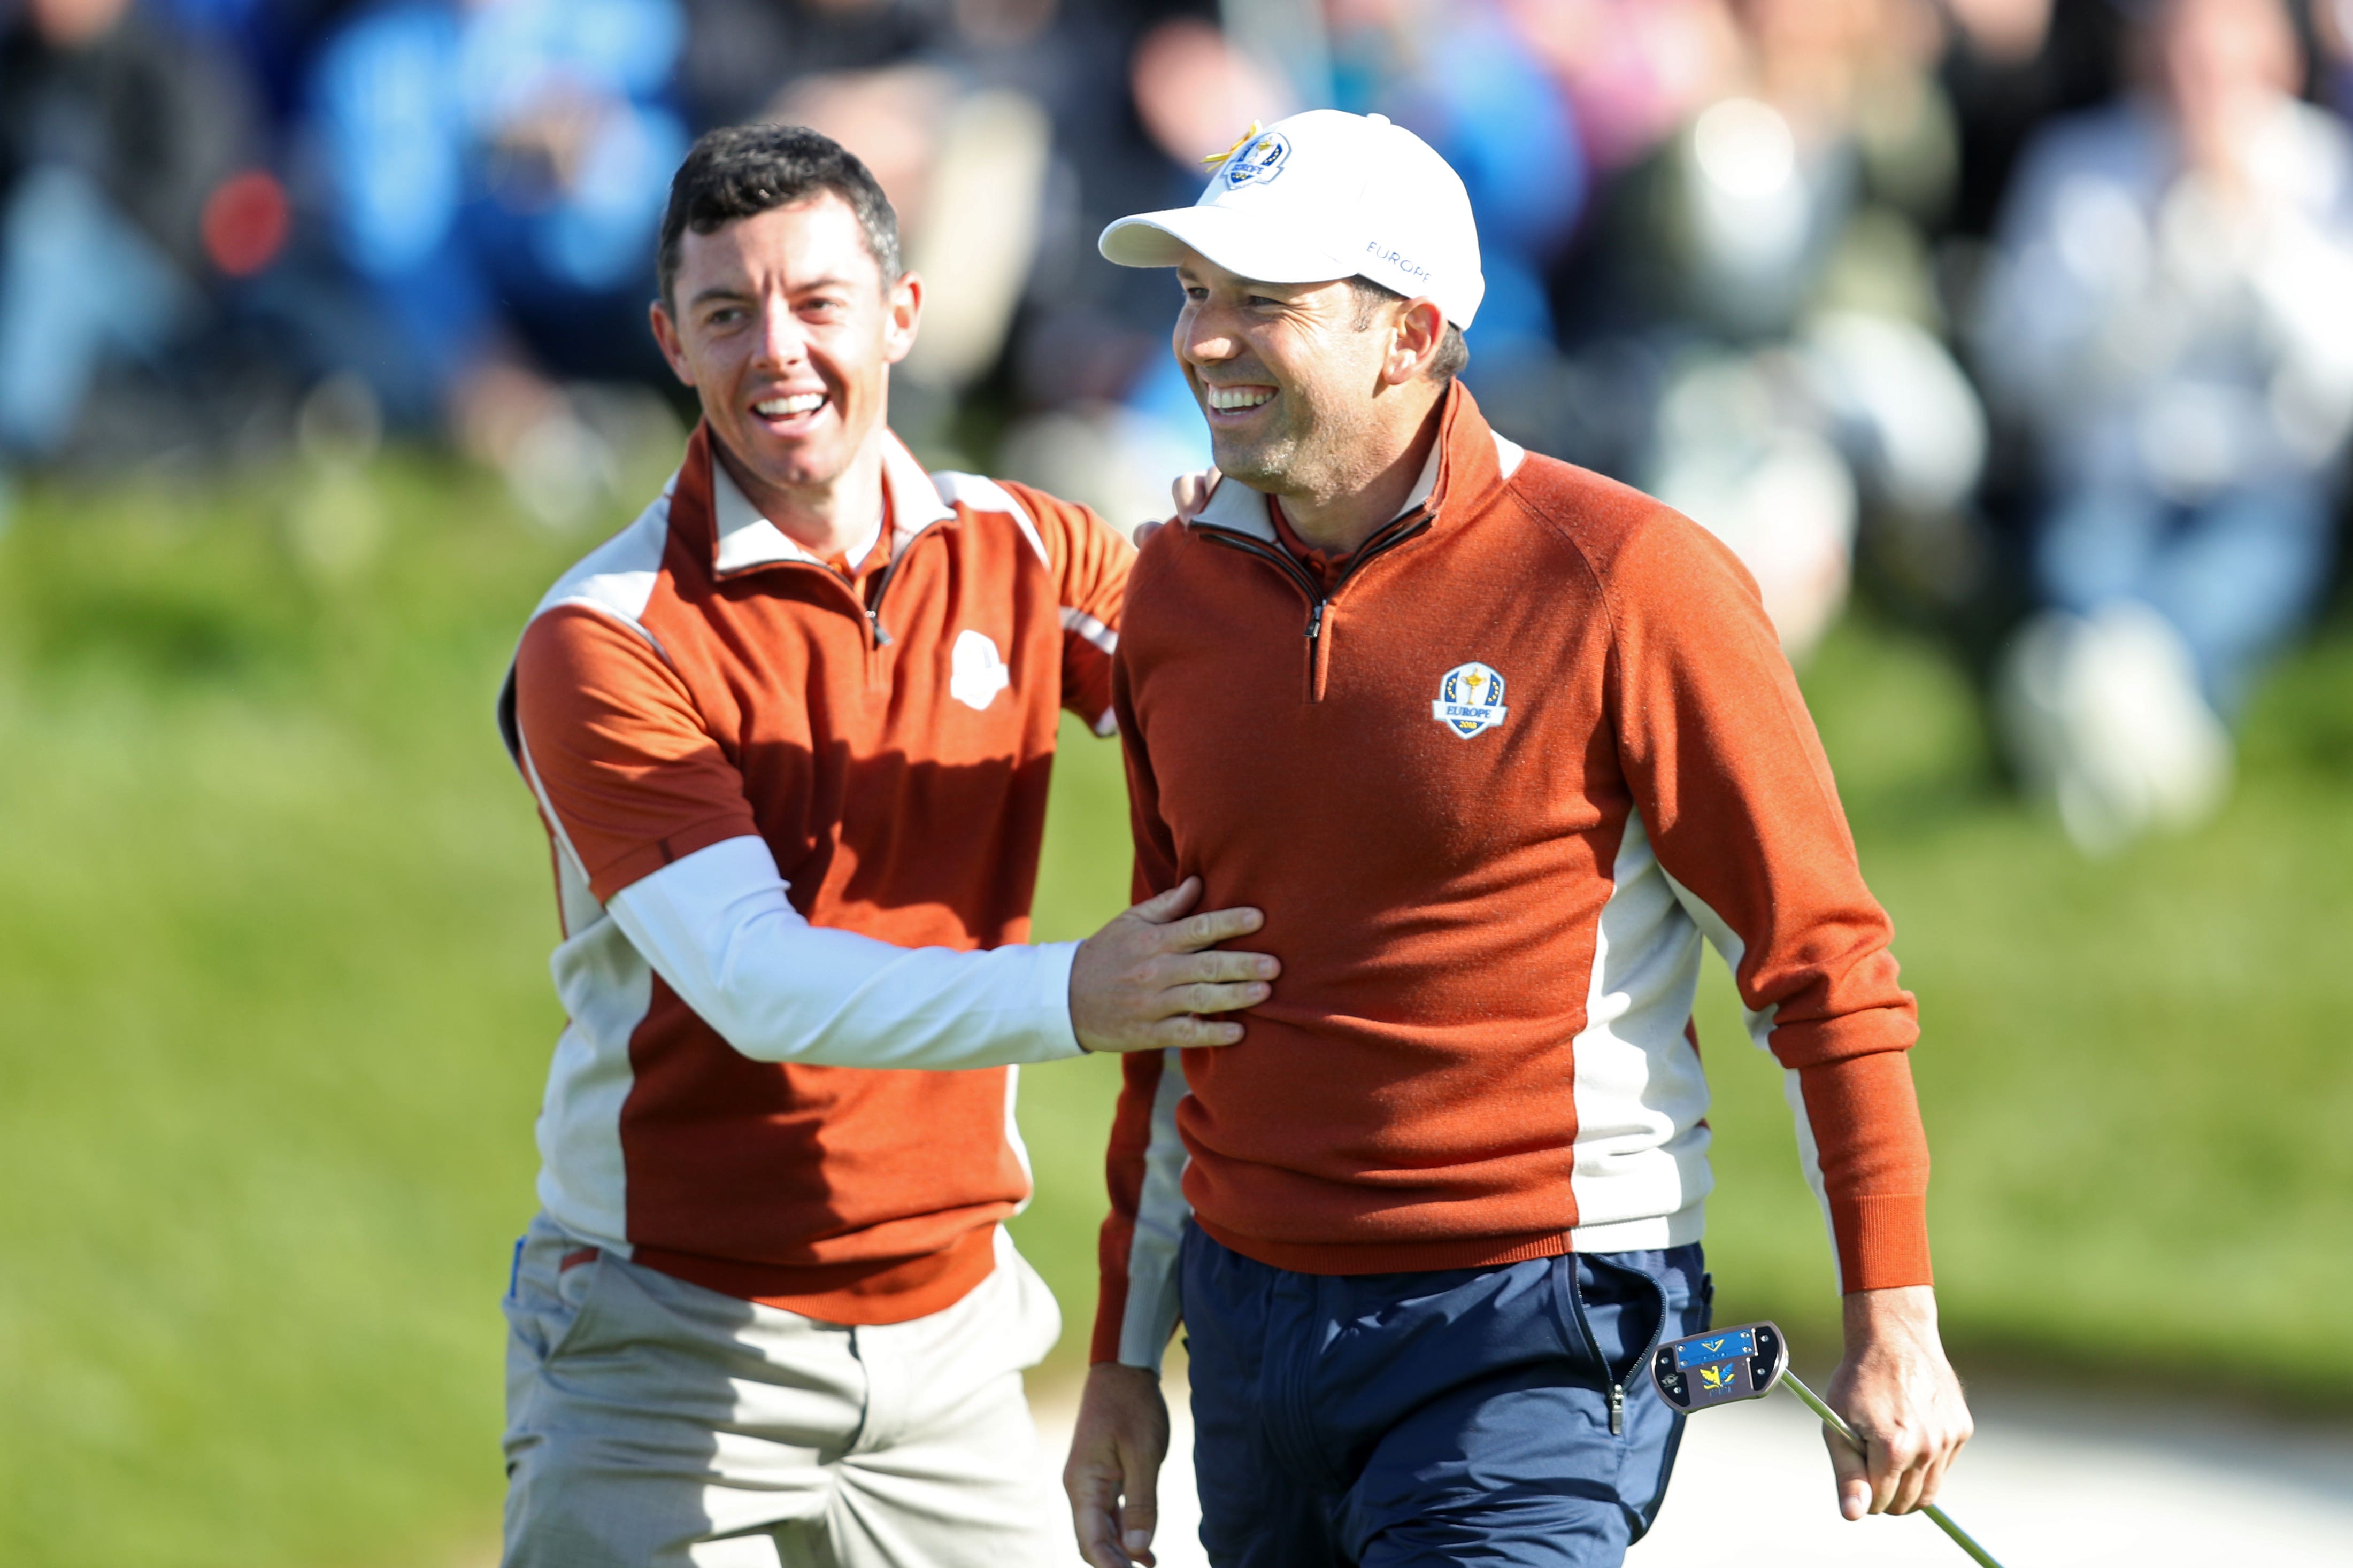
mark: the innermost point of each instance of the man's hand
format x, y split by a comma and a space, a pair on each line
1113, 1473
1143, 981
1899, 1393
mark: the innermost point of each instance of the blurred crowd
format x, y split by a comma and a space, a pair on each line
2036, 316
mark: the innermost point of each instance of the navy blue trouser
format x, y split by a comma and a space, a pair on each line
1473, 1416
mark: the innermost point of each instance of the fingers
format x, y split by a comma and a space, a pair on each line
1851, 1467
1162, 908
1218, 998
1186, 1031
1939, 1465
1191, 492
1198, 931
1141, 1518
1105, 1529
1155, 977
1924, 1476
1219, 968
1093, 1486
1904, 1487
1098, 1538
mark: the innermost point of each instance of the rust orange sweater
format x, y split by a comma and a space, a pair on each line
1491, 790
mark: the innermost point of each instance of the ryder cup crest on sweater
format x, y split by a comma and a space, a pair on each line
1470, 700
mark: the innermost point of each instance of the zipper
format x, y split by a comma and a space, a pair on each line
1616, 1395
1318, 601
882, 586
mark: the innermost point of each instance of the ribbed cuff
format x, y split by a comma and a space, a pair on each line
1883, 1241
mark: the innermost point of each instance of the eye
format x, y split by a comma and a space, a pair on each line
1196, 294
1262, 301
724, 316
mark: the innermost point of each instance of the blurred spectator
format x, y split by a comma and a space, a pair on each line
2011, 65
1756, 325
2333, 30
1635, 69
739, 53
2170, 319
119, 207
493, 173
1461, 76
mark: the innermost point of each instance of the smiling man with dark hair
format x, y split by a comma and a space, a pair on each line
789, 733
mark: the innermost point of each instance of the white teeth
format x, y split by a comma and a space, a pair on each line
1226, 399
785, 407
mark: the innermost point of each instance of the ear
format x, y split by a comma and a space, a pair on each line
902, 311
666, 337
1415, 334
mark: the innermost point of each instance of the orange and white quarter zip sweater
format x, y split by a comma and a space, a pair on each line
1492, 788
795, 828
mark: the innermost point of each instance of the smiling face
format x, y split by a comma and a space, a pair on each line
786, 329
1305, 394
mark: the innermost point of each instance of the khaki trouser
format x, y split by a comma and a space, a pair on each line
655, 1423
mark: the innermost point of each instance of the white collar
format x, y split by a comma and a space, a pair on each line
747, 539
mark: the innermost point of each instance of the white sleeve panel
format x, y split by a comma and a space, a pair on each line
1160, 1212
1726, 941
719, 929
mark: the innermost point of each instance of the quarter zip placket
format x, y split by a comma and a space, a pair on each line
878, 639
1319, 602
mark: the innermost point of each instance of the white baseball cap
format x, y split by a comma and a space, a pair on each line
1319, 196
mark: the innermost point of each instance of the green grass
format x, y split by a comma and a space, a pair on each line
274, 1014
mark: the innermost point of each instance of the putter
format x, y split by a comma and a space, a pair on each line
1725, 1365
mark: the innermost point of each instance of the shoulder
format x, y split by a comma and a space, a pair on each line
1628, 540
1060, 533
617, 578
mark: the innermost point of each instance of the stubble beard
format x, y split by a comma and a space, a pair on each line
1306, 457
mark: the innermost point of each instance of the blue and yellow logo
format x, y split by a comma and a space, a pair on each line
1257, 163
1470, 700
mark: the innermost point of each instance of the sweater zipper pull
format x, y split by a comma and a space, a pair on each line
1617, 1410
874, 619
1315, 622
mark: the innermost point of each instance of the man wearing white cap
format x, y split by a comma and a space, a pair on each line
1494, 742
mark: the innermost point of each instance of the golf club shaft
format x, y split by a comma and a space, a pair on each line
1838, 1424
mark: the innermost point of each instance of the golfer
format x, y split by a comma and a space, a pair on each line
1494, 742
789, 733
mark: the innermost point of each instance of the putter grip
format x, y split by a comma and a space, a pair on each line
1837, 1423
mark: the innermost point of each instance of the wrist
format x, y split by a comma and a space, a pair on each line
1897, 1313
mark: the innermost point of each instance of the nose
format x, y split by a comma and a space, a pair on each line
1204, 335
782, 342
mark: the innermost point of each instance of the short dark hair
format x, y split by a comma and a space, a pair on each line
1453, 353
742, 171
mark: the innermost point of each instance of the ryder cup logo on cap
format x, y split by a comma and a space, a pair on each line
1322, 196
1260, 162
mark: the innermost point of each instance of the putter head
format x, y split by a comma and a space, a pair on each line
1720, 1366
